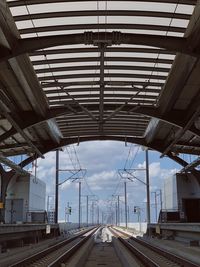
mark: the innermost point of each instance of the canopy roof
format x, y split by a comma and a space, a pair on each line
74, 71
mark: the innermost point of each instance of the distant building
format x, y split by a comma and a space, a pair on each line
25, 200
181, 198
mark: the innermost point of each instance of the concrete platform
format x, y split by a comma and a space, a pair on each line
18, 234
16, 228
186, 227
178, 231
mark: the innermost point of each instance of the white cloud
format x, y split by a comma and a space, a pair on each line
102, 161
102, 180
97, 156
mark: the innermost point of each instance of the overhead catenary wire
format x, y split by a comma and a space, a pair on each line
129, 156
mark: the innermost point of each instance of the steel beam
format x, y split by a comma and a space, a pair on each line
87, 101
36, 2
191, 166
106, 75
71, 140
103, 26
107, 89
57, 112
85, 110
110, 67
170, 43
13, 166
96, 83
120, 49
7, 134
5, 113
89, 13
149, 111
85, 124
181, 132
96, 59
129, 98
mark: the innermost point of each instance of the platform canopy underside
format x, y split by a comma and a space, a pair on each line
73, 71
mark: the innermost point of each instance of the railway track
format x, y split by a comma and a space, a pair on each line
58, 253
150, 255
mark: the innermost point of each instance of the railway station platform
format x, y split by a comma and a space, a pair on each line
20, 234
178, 231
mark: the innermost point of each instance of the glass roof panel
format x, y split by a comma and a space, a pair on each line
132, 74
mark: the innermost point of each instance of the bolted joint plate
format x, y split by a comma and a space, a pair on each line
106, 38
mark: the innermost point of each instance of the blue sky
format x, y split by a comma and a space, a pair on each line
102, 159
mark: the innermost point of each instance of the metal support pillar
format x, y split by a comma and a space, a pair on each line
79, 206
118, 218
57, 185
98, 214
125, 197
147, 187
68, 212
87, 204
160, 190
128, 212
47, 204
116, 214
92, 212
156, 206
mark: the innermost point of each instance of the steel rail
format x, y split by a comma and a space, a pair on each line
169, 255
139, 255
70, 252
27, 261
